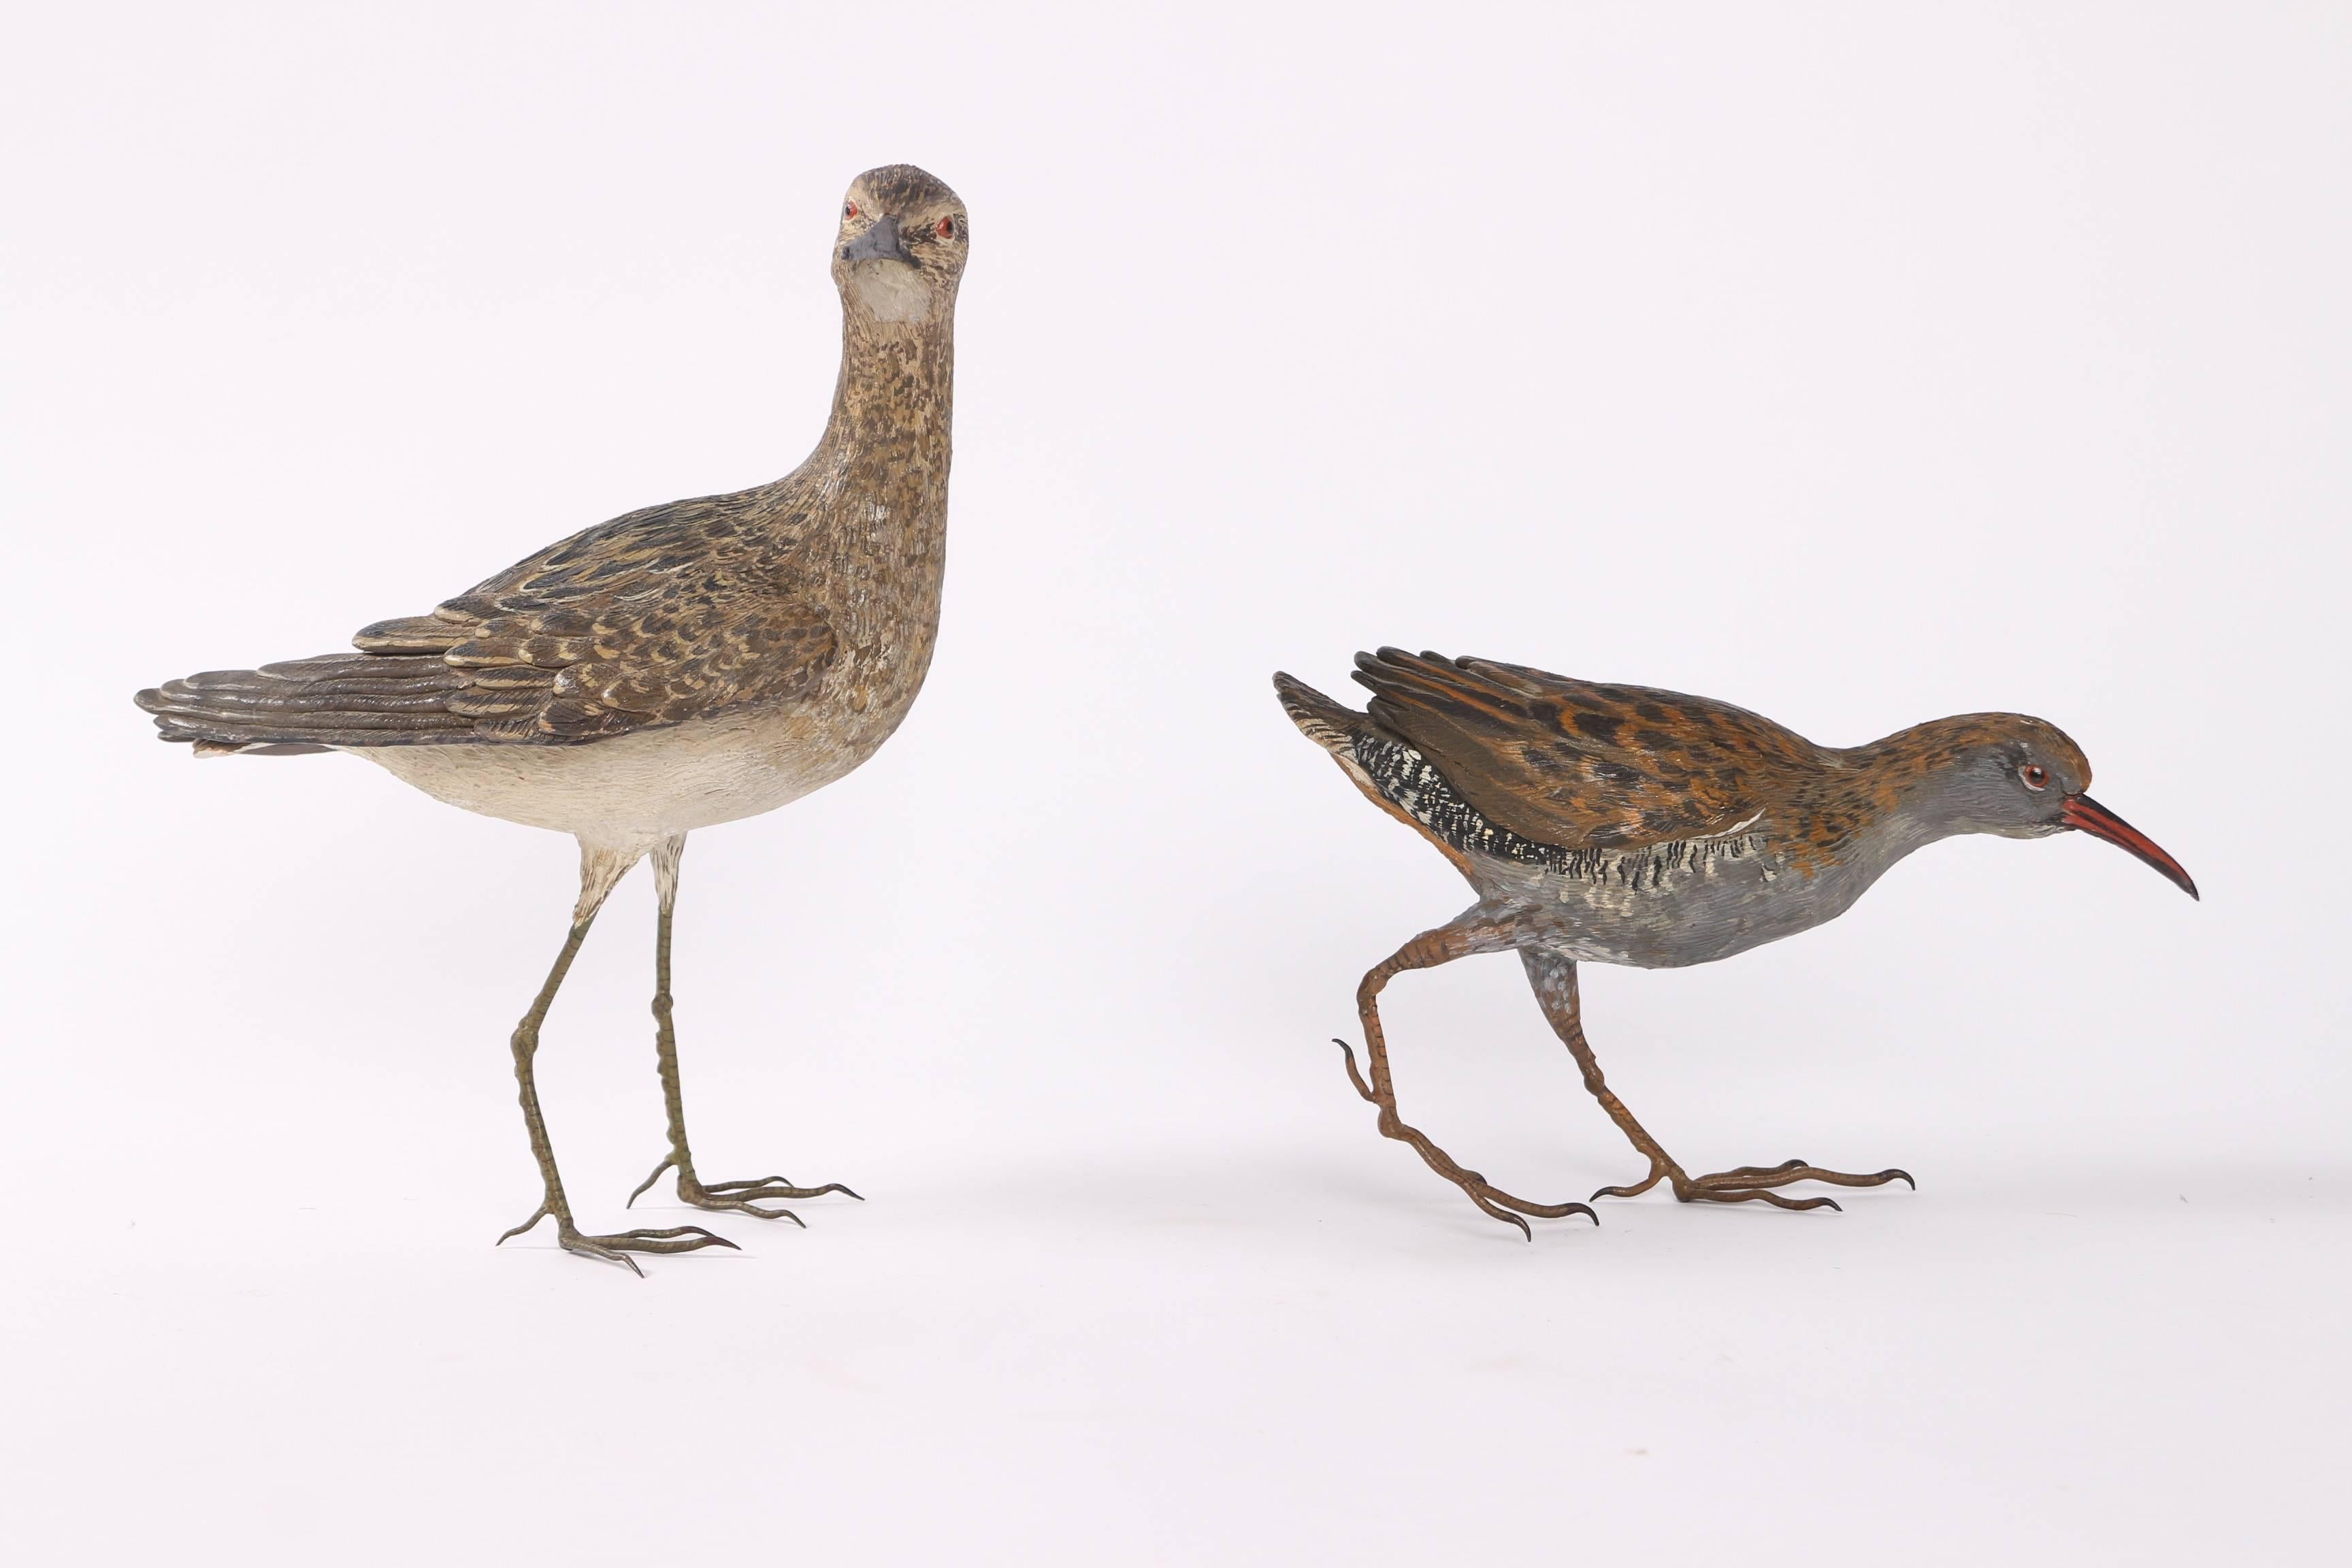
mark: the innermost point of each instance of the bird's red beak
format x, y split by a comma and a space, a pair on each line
2081, 811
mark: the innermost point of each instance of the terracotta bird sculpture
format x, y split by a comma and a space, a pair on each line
1619, 824
677, 668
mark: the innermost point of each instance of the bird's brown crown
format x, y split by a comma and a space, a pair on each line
1940, 744
904, 189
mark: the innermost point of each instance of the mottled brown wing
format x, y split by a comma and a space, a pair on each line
659, 617
1576, 764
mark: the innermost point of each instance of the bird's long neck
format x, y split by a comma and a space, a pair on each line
895, 397
876, 490
1905, 786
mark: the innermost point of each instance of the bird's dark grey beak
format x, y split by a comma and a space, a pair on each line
880, 241
2081, 811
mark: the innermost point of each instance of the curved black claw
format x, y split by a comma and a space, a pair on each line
1753, 1183
737, 1197
1746, 1178
1492, 1200
1600, 1193
782, 1189
1527, 1232
616, 1248
667, 1161
1354, 1077
1657, 1173
1540, 1211
704, 1198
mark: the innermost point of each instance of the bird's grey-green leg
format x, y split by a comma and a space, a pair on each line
1553, 976
599, 871
743, 1197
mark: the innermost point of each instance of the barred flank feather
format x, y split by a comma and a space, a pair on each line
1405, 778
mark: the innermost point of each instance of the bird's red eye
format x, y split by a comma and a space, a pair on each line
849, 210
2035, 774
947, 228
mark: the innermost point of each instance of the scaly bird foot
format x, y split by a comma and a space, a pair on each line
1753, 1183
740, 1197
616, 1248
1493, 1200
1490, 1199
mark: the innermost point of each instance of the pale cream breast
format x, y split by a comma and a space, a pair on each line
634, 791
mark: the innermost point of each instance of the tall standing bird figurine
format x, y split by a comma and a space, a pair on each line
1620, 825
680, 666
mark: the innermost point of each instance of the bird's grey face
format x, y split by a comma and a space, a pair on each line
2017, 785
2027, 781
904, 236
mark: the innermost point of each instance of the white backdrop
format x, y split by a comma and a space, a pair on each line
1859, 364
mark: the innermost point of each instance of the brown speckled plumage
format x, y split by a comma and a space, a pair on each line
678, 667
823, 585
1622, 824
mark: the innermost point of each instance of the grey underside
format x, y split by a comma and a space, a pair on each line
1663, 906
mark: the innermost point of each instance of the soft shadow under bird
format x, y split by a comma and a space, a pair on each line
674, 668
1620, 825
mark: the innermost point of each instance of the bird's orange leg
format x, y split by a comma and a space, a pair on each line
741, 1197
1554, 979
1427, 951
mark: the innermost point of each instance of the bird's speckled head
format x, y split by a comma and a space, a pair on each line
900, 253
1988, 772
2008, 774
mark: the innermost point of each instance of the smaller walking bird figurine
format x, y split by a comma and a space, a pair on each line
674, 668
1621, 824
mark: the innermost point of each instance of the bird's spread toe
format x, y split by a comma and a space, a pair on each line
616, 1247
737, 1197
1753, 1183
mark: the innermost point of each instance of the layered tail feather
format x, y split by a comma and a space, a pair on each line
1329, 724
1340, 730
313, 705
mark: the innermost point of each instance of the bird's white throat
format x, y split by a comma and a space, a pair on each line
892, 290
